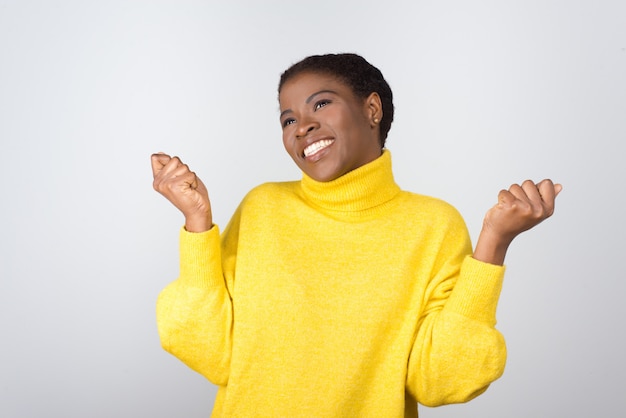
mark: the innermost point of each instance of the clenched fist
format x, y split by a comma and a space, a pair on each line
183, 189
519, 208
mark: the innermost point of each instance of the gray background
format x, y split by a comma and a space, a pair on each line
487, 92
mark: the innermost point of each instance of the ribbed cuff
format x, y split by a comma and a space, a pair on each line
477, 290
200, 257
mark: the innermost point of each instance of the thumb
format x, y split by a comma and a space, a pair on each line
557, 189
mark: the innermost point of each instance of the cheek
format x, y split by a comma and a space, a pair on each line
342, 120
288, 141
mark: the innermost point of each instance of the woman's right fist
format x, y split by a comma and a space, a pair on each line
183, 189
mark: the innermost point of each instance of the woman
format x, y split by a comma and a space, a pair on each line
338, 295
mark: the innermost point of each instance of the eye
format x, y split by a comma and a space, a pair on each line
321, 103
288, 122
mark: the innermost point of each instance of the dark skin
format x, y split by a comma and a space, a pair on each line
329, 131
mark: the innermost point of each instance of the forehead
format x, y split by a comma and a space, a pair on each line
301, 86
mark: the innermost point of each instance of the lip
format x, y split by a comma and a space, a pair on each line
311, 141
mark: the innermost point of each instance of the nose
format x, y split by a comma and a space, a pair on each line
306, 127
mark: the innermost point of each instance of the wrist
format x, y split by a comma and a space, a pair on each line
198, 223
491, 248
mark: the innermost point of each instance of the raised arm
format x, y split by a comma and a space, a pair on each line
518, 209
458, 352
194, 312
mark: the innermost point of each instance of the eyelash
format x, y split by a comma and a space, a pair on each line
318, 105
321, 103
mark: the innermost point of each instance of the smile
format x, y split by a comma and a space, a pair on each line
317, 146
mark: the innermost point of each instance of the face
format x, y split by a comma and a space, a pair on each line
327, 130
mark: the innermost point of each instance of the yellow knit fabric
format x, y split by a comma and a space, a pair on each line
349, 298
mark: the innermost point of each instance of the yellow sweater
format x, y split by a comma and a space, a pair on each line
349, 298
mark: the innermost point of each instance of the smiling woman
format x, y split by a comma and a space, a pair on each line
338, 295
327, 130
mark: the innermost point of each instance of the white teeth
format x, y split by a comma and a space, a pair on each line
316, 146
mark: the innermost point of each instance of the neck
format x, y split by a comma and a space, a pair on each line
360, 192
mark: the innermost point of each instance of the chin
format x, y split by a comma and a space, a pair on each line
324, 170
325, 176
325, 179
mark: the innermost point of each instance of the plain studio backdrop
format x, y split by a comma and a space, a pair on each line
488, 93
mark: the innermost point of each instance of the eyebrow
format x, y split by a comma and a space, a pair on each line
308, 100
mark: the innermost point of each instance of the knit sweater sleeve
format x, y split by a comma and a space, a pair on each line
195, 313
457, 351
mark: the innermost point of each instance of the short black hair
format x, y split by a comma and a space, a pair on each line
358, 74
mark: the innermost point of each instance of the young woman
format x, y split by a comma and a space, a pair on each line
339, 295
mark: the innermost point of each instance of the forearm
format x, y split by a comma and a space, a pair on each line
458, 350
194, 313
199, 222
457, 361
491, 247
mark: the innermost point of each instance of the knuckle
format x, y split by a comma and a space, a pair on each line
524, 206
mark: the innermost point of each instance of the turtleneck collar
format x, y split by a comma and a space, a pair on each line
359, 192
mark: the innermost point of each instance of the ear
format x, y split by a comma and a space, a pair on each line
374, 109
